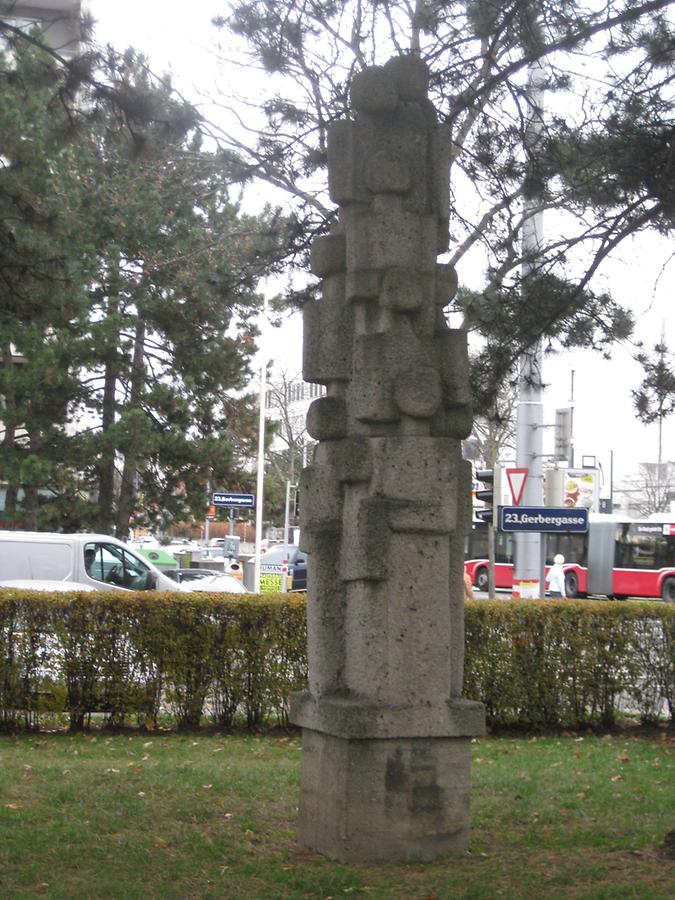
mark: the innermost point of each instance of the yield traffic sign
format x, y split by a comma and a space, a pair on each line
517, 479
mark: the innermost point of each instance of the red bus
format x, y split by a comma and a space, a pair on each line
619, 557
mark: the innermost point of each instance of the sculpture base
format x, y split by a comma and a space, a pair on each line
384, 799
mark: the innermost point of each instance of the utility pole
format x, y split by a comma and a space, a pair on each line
261, 456
528, 574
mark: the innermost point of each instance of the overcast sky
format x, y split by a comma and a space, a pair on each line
176, 37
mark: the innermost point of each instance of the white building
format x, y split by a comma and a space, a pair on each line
59, 20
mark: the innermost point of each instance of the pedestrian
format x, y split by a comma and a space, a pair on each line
468, 587
556, 577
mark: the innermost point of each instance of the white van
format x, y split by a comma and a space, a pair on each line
97, 560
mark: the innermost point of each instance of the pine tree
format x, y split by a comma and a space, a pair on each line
128, 296
606, 65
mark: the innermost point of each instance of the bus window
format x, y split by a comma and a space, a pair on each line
574, 547
503, 548
476, 543
643, 547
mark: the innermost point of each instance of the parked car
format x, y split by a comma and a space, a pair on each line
44, 584
205, 580
97, 560
271, 568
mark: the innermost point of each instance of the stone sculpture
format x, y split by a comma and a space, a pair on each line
386, 502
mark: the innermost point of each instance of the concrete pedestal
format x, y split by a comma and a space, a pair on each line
389, 799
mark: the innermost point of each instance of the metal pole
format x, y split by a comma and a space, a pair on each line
529, 424
261, 463
208, 509
284, 564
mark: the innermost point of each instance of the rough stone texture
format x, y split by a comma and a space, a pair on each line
385, 508
405, 799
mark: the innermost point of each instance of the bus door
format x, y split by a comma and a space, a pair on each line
601, 547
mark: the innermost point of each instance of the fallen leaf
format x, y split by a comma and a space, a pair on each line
617, 778
207, 786
624, 758
148, 744
160, 842
12, 806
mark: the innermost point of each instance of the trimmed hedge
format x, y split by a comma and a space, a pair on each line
131, 657
564, 663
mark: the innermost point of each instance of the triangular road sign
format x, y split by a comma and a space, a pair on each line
517, 479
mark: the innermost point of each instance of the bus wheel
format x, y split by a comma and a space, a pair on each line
668, 590
482, 579
571, 585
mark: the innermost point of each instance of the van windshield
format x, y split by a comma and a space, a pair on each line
113, 565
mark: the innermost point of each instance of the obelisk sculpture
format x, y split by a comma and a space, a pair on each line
385, 504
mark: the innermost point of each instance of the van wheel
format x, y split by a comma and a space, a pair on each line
571, 585
668, 590
481, 579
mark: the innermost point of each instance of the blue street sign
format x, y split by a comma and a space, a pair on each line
224, 499
543, 518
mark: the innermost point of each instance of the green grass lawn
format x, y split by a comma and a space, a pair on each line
172, 816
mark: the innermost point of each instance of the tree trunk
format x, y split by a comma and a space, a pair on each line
130, 470
106, 466
106, 462
8, 447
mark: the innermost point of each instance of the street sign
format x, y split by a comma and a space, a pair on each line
224, 499
517, 479
543, 518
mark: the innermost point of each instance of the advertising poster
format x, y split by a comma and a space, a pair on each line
581, 489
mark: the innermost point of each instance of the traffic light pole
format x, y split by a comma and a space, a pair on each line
492, 593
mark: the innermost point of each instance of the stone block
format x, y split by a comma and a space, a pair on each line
321, 507
381, 363
417, 392
404, 290
348, 461
411, 76
403, 800
348, 145
328, 255
374, 92
387, 174
419, 474
325, 359
365, 538
327, 419
354, 716
452, 360
363, 285
446, 284
440, 175
390, 237
370, 395
325, 618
